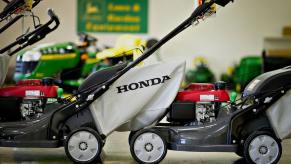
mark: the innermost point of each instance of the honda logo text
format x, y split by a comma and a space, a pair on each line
142, 84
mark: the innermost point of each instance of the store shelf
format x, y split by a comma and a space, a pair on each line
277, 43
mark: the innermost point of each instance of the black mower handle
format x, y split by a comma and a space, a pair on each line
38, 34
222, 2
97, 90
7, 12
41, 31
53, 16
86, 96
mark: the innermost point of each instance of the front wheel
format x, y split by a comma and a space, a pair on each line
262, 147
83, 146
147, 146
240, 152
131, 134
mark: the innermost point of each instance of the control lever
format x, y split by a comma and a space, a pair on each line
7, 12
38, 34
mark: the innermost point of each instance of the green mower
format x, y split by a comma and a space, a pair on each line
201, 73
70, 63
67, 62
240, 75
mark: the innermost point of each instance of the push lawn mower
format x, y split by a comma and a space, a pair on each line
200, 117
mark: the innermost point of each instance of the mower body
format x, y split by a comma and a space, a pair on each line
200, 120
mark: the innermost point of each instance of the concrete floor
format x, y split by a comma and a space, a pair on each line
117, 151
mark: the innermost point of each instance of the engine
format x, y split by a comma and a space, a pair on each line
31, 108
198, 104
27, 100
205, 112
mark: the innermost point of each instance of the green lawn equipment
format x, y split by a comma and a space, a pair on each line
67, 62
71, 63
126, 49
201, 73
239, 76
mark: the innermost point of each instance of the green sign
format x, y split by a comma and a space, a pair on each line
126, 16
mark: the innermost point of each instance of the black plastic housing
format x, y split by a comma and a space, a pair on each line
220, 85
181, 112
269, 82
10, 109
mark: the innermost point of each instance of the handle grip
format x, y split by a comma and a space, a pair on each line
38, 34
54, 17
45, 29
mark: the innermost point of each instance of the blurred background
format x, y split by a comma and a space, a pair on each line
234, 32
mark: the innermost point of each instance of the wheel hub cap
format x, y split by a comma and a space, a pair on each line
263, 149
149, 147
83, 146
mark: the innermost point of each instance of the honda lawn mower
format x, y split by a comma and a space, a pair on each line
200, 118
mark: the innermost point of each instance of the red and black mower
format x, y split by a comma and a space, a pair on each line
200, 118
28, 98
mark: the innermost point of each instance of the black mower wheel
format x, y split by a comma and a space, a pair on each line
83, 146
131, 134
262, 147
240, 151
148, 147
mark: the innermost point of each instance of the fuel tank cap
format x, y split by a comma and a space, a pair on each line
220, 85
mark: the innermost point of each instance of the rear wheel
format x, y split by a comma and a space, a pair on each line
240, 151
262, 147
147, 146
83, 146
131, 134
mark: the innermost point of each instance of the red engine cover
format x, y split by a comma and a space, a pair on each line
202, 93
200, 86
30, 88
32, 82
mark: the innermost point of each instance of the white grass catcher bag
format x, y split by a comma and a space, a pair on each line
279, 115
4, 64
139, 98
